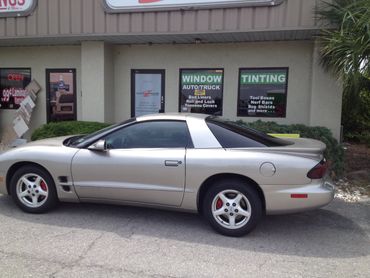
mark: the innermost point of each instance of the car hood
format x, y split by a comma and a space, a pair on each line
47, 152
50, 142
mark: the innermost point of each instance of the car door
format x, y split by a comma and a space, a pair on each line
144, 162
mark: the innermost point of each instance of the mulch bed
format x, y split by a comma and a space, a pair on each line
355, 185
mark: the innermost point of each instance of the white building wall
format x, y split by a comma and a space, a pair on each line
39, 59
295, 55
326, 97
109, 91
93, 80
104, 73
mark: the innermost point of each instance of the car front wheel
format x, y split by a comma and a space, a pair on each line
232, 208
33, 189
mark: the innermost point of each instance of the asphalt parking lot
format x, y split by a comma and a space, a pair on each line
111, 241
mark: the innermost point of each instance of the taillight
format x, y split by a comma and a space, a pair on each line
318, 171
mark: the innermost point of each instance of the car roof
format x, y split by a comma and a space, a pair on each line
171, 116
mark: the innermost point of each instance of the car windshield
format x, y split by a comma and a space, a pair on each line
239, 135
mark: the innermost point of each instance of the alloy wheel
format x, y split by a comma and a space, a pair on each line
231, 209
32, 190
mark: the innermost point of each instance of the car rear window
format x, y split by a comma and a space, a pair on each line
232, 135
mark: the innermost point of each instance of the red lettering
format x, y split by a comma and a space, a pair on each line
12, 3
15, 77
3, 3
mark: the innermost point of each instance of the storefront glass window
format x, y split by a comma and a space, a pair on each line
263, 92
201, 91
12, 86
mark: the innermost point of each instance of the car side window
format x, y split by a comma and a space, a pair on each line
151, 134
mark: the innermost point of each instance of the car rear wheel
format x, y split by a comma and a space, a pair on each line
33, 189
232, 207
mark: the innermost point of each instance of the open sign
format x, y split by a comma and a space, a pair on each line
13, 82
15, 77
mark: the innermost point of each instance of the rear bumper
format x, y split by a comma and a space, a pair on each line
279, 200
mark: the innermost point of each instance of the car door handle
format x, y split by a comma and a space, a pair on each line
172, 163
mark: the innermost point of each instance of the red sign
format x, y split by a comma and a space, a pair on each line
15, 77
6, 4
12, 87
9, 8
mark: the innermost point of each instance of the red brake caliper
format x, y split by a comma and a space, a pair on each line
219, 204
43, 186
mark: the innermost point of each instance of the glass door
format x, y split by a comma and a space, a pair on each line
147, 92
61, 95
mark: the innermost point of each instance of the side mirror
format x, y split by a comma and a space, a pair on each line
100, 146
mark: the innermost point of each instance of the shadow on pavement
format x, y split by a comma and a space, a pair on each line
333, 232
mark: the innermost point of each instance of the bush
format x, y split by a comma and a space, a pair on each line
358, 137
356, 117
334, 152
56, 129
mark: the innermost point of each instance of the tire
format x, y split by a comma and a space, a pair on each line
33, 189
232, 199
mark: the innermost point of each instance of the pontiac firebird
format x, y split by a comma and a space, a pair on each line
231, 174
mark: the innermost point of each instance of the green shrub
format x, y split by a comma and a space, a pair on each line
334, 152
56, 129
356, 116
362, 137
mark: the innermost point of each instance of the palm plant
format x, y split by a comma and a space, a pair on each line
346, 47
345, 50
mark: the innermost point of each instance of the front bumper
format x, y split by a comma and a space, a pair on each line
3, 189
279, 200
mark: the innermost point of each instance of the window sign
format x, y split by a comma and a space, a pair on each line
13, 8
263, 92
147, 92
114, 6
12, 87
61, 95
201, 91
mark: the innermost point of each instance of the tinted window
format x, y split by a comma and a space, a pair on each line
232, 135
154, 134
83, 141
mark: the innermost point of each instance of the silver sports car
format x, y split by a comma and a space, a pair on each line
230, 174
